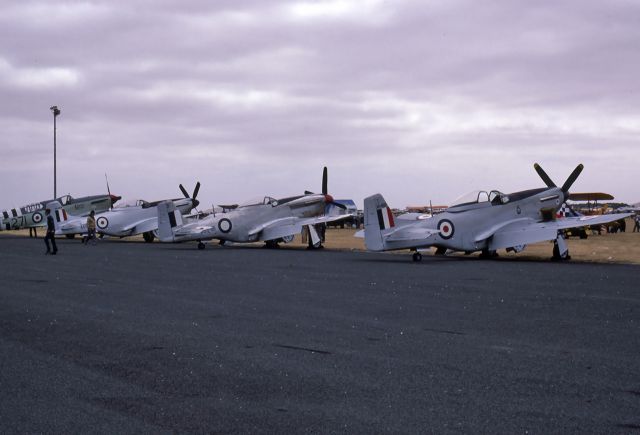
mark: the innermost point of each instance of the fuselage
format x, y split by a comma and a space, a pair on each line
125, 221
245, 224
33, 215
462, 226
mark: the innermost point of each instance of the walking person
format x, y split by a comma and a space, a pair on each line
636, 227
91, 227
51, 234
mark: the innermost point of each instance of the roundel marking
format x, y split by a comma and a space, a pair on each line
37, 217
446, 228
102, 222
225, 225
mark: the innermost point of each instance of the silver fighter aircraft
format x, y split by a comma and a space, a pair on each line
482, 222
129, 220
33, 216
267, 219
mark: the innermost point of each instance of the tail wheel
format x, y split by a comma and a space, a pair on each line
148, 236
417, 256
70, 236
200, 245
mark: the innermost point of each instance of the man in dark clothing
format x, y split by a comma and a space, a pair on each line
51, 234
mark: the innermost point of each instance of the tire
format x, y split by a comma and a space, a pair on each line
70, 236
148, 236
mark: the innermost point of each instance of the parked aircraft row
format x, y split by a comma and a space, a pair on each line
482, 221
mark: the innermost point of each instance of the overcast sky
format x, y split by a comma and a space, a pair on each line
418, 100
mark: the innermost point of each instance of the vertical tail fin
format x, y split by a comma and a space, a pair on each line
377, 220
168, 220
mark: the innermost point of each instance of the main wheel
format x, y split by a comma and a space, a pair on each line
417, 256
200, 245
148, 236
70, 236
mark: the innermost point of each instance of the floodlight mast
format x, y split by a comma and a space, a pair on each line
56, 112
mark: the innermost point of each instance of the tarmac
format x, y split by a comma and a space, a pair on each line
163, 338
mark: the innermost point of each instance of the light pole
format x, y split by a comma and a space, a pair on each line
56, 112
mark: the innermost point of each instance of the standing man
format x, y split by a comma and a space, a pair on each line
636, 219
91, 227
51, 234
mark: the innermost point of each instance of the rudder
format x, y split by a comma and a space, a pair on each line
378, 219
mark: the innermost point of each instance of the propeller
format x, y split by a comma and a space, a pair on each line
114, 198
193, 197
324, 181
572, 178
325, 190
547, 180
567, 184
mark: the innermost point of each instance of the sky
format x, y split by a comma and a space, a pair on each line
418, 100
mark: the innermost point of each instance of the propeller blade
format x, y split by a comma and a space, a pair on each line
107, 180
572, 178
324, 181
184, 191
196, 190
109, 191
543, 175
337, 204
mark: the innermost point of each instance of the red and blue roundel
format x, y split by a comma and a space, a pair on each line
102, 222
446, 229
37, 218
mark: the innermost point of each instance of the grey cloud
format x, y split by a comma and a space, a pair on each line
458, 94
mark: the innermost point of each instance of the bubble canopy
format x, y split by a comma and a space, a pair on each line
479, 196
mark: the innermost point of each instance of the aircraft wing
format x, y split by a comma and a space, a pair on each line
141, 226
288, 226
525, 231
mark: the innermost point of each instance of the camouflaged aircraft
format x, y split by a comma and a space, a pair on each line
481, 221
139, 217
33, 216
266, 219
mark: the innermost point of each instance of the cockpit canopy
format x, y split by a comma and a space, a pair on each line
132, 203
495, 197
65, 199
259, 201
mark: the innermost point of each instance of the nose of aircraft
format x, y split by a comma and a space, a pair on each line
114, 198
328, 199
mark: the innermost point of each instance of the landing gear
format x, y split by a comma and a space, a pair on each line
200, 245
271, 244
560, 249
317, 245
70, 236
441, 251
221, 242
417, 256
148, 236
488, 253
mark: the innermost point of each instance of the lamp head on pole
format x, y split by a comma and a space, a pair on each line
55, 110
